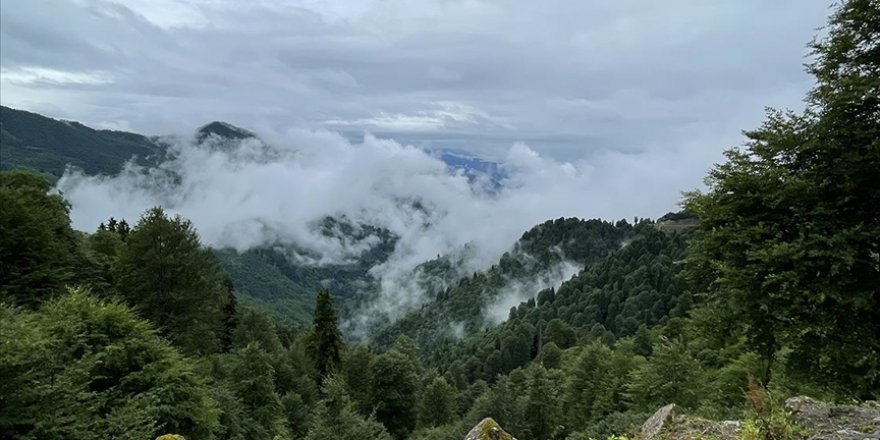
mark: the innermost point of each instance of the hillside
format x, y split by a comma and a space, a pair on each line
544, 256
272, 278
30, 140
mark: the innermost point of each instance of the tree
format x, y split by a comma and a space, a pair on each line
791, 222
81, 368
37, 244
357, 377
671, 375
541, 412
551, 356
393, 384
437, 406
325, 343
559, 332
255, 326
170, 278
585, 383
336, 419
253, 379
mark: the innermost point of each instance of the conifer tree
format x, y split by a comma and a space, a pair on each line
164, 271
325, 341
254, 382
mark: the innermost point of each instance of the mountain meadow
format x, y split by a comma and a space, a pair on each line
765, 285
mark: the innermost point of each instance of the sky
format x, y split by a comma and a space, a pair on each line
569, 78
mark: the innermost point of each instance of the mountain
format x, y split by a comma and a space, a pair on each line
473, 167
222, 130
276, 278
30, 140
544, 256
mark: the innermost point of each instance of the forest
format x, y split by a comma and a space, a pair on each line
134, 330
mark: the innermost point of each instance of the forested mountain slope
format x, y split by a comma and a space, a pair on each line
545, 255
48, 145
272, 278
636, 287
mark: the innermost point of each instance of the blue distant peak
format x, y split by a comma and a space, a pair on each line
472, 166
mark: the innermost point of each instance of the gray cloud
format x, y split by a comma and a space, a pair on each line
570, 78
251, 194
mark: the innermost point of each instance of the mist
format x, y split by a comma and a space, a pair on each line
248, 194
518, 291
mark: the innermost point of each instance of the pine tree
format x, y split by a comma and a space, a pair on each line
325, 342
164, 271
254, 383
80, 368
123, 229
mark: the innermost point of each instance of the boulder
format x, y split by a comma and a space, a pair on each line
661, 418
488, 429
822, 421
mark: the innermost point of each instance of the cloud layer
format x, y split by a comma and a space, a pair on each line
248, 194
568, 77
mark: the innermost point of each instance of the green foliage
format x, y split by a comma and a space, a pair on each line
551, 356
782, 277
766, 419
255, 326
164, 272
356, 370
252, 379
461, 300
325, 341
261, 284
393, 385
274, 278
336, 419
790, 221
437, 406
79, 368
37, 246
671, 375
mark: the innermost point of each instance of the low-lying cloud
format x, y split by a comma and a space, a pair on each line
516, 291
250, 194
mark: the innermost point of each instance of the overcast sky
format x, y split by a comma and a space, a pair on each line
568, 78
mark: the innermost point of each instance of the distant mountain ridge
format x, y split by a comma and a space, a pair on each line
30, 140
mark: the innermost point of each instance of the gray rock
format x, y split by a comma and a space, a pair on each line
656, 422
488, 429
835, 422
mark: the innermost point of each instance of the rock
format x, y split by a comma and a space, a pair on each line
669, 423
657, 422
798, 404
488, 429
835, 422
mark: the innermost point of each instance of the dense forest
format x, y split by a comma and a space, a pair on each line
766, 285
